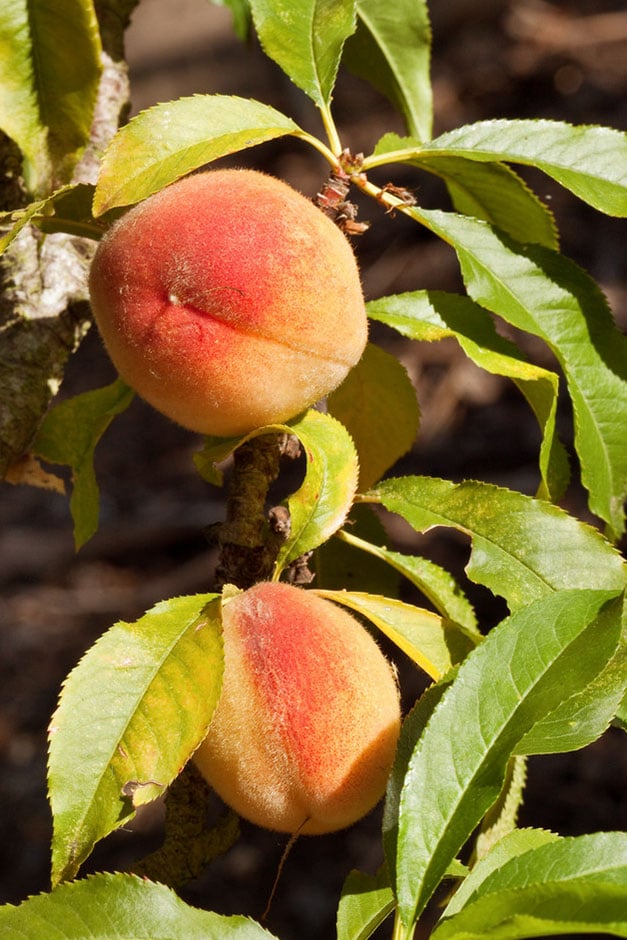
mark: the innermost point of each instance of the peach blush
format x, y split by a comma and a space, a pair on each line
229, 301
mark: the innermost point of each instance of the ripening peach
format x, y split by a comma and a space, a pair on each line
305, 732
228, 301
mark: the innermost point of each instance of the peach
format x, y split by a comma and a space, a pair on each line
228, 301
305, 732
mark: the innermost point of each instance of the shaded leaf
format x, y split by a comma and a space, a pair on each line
69, 435
160, 145
377, 405
365, 903
522, 548
49, 74
548, 295
392, 50
432, 643
340, 566
524, 669
129, 717
120, 907
564, 886
434, 315
305, 38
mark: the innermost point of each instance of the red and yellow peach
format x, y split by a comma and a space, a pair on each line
304, 734
228, 301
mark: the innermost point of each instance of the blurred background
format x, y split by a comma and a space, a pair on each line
525, 58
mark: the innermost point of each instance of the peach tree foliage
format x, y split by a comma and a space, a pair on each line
549, 678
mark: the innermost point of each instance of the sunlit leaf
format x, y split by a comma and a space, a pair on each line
434, 315
365, 903
130, 715
564, 886
305, 37
392, 50
49, 73
590, 161
377, 405
541, 292
523, 670
432, 643
160, 145
120, 907
522, 548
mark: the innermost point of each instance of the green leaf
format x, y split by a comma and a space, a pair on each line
305, 38
434, 315
69, 435
129, 717
435, 582
320, 506
548, 295
513, 844
120, 907
377, 405
489, 191
170, 140
432, 643
589, 161
524, 669
365, 903
411, 731
522, 548
392, 50
584, 717
564, 886
49, 74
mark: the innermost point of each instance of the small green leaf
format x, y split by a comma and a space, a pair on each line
170, 140
522, 548
589, 161
523, 670
120, 907
69, 435
510, 846
432, 643
49, 73
435, 582
540, 291
434, 315
377, 405
241, 15
392, 50
320, 506
564, 886
365, 903
129, 717
305, 38
584, 717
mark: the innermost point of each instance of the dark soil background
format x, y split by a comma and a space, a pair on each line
492, 58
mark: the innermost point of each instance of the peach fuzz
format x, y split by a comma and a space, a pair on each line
228, 301
305, 732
